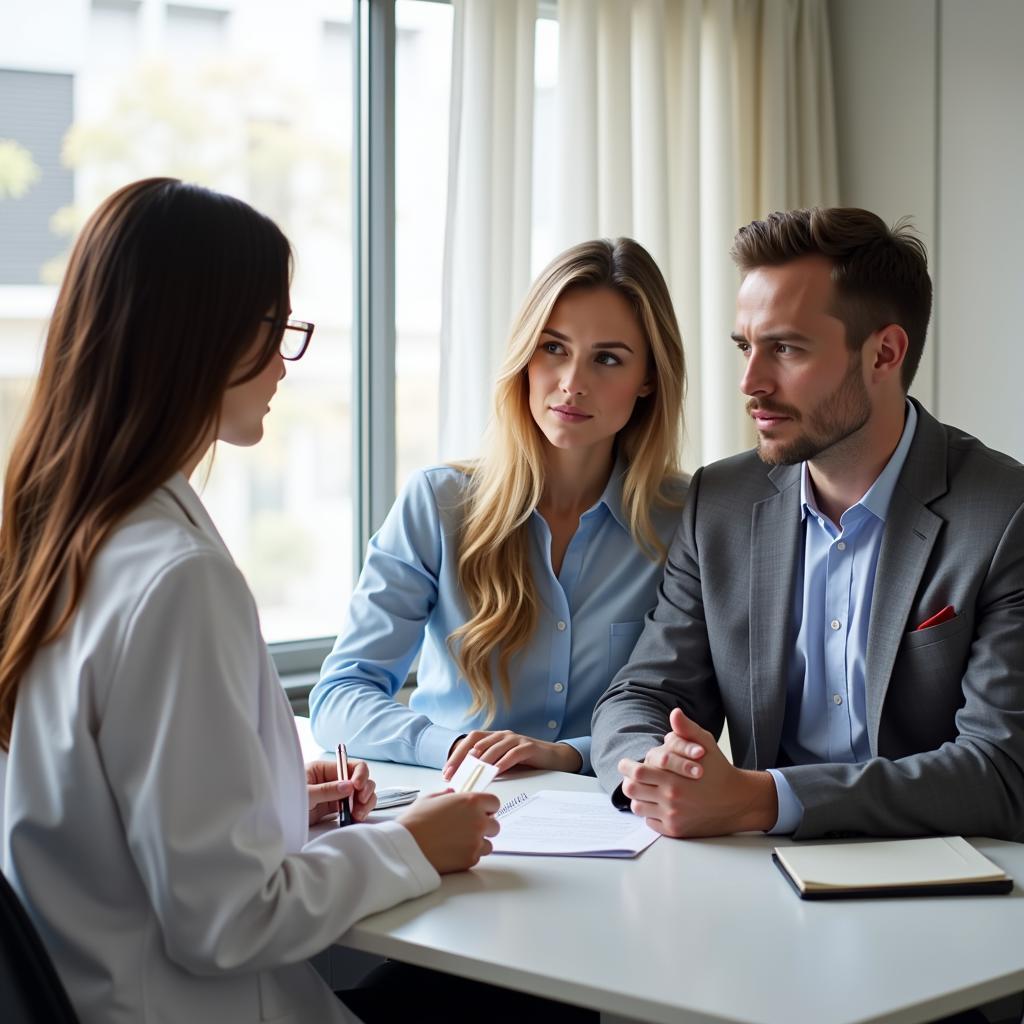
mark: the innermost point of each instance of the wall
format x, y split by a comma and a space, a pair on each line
884, 61
981, 219
926, 96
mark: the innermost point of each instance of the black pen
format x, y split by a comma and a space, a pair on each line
344, 806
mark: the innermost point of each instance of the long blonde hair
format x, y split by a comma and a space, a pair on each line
507, 482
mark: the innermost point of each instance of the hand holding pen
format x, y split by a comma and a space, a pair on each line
345, 804
325, 791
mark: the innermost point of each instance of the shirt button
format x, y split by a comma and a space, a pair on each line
560, 627
552, 724
835, 623
841, 545
836, 699
559, 687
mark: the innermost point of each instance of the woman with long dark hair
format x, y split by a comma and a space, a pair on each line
153, 804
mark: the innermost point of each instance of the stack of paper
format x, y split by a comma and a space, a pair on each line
560, 823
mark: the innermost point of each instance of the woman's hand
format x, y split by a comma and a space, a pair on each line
506, 749
324, 790
452, 828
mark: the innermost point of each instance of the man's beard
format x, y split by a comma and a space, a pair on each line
831, 421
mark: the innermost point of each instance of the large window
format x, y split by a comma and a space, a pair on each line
246, 98
270, 104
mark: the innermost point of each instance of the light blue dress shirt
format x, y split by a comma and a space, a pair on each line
408, 602
826, 716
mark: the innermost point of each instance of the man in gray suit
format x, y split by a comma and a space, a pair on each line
850, 596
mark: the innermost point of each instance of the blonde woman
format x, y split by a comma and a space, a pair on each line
522, 579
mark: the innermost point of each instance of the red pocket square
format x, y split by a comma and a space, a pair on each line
947, 613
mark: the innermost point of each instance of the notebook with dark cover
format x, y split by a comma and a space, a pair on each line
939, 866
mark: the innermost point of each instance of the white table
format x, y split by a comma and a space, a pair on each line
702, 931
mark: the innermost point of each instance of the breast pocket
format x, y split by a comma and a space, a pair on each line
926, 688
622, 638
934, 634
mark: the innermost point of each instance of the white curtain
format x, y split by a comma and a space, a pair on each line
487, 240
679, 121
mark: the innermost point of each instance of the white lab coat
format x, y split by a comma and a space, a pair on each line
153, 800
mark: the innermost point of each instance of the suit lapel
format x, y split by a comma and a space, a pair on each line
774, 553
910, 532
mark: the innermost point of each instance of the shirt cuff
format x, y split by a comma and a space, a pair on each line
619, 800
427, 878
581, 744
433, 744
790, 808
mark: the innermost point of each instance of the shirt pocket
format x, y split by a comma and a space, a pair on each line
622, 638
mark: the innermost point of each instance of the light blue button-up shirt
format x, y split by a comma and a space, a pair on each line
826, 712
408, 602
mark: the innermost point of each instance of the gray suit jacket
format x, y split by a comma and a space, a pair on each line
945, 704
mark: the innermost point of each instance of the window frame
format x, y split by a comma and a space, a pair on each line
373, 449
373, 306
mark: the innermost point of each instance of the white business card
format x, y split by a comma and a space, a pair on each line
473, 775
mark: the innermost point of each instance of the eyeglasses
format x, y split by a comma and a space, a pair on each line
295, 336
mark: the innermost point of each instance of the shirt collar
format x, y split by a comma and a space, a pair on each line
190, 503
879, 495
611, 496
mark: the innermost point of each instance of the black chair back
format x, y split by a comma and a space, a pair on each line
30, 991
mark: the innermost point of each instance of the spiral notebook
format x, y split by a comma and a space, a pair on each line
561, 823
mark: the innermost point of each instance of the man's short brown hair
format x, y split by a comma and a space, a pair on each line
880, 273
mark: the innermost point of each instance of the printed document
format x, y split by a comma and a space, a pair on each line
560, 823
